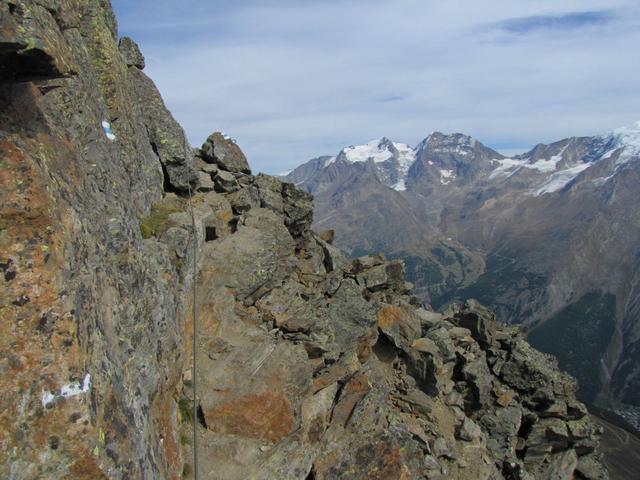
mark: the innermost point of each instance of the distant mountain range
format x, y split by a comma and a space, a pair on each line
549, 238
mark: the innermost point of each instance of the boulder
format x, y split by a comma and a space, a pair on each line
205, 184
244, 199
399, 325
252, 261
562, 466
479, 320
377, 274
166, 136
529, 370
225, 182
224, 152
131, 53
590, 468
502, 427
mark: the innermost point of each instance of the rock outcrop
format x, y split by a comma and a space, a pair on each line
547, 239
309, 365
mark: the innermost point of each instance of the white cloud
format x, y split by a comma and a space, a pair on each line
292, 80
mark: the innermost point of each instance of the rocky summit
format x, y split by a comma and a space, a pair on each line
115, 234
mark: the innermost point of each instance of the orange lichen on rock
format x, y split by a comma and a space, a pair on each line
266, 415
390, 316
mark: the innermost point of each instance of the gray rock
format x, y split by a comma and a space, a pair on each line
298, 208
255, 259
440, 448
476, 372
428, 319
502, 427
166, 136
244, 200
479, 320
591, 468
529, 370
219, 222
131, 53
210, 168
441, 338
430, 463
399, 324
225, 153
225, 182
369, 261
562, 466
546, 435
469, 431
205, 184
420, 402
33, 45
270, 189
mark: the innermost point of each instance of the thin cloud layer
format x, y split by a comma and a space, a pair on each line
560, 23
292, 80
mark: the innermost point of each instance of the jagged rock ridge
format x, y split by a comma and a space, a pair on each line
547, 239
311, 366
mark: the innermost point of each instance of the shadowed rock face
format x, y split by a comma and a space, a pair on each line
310, 365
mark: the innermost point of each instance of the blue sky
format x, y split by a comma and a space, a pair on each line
291, 80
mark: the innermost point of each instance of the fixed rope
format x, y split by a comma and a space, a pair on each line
194, 377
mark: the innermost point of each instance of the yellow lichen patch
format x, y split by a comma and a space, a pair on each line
158, 220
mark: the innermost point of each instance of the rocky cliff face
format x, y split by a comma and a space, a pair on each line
310, 365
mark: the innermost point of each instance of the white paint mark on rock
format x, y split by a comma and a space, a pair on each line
66, 391
106, 127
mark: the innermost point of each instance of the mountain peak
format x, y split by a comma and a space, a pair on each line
453, 143
378, 150
628, 138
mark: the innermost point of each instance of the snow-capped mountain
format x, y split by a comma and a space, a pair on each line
390, 160
441, 159
548, 238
